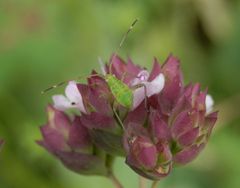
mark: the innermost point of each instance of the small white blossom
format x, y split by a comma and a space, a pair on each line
147, 88
73, 99
209, 104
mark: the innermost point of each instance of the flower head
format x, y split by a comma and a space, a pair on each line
169, 124
174, 131
69, 141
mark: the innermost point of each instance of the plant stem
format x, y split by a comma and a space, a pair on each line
115, 181
142, 182
154, 184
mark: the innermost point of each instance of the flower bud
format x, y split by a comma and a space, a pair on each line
70, 142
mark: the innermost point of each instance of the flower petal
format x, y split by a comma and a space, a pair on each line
74, 96
72, 91
138, 97
61, 102
152, 88
155, 86
209, 104
142, 76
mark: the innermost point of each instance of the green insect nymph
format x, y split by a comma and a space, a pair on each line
121, 92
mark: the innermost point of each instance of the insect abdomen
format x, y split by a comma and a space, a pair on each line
122, 93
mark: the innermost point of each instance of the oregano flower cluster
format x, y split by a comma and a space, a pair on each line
168, 124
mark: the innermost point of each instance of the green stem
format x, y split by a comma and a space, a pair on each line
142, 182
111, 176
155, 184
115, 181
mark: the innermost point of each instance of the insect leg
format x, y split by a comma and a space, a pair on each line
124, 76
117, 116
102, 66
145, 96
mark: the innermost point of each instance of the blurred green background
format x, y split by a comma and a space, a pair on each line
44, 42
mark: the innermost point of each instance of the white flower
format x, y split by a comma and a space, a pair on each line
73, 99
209, 104
146, 88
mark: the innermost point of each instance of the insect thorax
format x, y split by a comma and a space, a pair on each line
122, 93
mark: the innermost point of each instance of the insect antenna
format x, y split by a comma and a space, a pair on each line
121, 43
53, 87
65, 82
100, 61
102, 66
